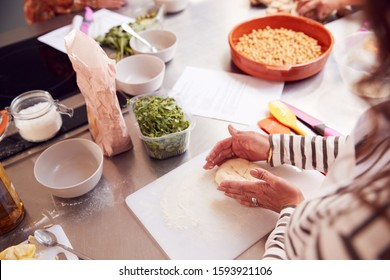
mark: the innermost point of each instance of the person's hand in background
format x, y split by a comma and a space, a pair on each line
40, 10
321, 9
109, 4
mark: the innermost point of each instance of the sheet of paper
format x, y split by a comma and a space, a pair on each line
226, 96
103, 20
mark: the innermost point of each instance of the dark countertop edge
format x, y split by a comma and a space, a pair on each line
34, 30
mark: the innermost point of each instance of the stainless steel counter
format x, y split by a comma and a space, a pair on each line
99, 223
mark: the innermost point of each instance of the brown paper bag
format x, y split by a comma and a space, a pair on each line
95, 73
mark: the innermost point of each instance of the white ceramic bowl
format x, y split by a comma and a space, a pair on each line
355, 56
173, 6
139, 74
70, 168
165, 41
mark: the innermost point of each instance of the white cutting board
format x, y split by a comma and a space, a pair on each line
191, 219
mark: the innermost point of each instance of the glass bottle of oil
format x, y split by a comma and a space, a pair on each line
11, 207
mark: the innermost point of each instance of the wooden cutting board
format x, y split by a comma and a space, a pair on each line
191, 219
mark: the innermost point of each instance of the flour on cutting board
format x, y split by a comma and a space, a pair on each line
178, 204
190, 219
194, 205
176, 208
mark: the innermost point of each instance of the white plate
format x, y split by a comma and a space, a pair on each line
103, 20
50, 253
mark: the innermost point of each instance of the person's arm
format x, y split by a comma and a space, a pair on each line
306, 152
274, 247
40, 10
97, 4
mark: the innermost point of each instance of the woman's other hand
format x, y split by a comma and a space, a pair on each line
39, 10
110, 4
248, 145
270, 191
318, 9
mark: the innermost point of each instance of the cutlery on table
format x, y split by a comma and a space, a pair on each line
49, 239
131, 31
318, 126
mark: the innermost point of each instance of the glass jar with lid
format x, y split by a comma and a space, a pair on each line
36, 115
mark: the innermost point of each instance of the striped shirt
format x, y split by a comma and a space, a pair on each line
350, 216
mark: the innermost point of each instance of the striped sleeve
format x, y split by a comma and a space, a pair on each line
274, 247
306, 152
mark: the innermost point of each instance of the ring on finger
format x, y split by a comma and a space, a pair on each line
254, 201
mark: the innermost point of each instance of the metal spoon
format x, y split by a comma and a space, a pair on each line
131, 31
49, 239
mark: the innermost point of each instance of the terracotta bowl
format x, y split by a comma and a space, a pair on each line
287, 72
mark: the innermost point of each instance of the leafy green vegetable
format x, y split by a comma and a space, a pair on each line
118, 39
158, 116
161, 120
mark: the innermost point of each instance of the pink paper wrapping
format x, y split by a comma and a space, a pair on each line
95, 73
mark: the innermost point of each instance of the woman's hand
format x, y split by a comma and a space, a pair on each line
318, 9
270, 191
110, 4
248, 145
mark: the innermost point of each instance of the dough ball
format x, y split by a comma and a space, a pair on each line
235, 170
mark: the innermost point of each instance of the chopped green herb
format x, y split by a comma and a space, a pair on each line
158, 117
118, 39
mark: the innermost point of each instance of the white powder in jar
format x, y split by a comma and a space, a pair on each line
40, 128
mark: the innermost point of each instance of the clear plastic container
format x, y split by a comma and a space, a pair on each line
168, 145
